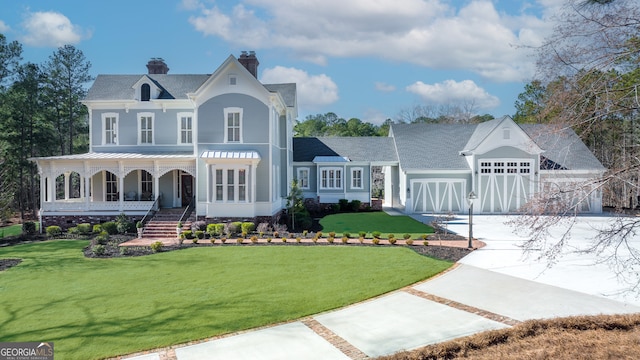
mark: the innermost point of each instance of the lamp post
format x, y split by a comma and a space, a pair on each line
470, 198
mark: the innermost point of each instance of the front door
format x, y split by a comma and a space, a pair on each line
187, 189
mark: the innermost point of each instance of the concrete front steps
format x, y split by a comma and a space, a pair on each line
163, 224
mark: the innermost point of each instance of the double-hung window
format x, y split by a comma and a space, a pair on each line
303, 178
145, 123
230, 185
185, 124
110, 128
331, 178
356, 178
233, 124
111, 186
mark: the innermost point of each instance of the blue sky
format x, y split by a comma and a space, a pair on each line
369, 59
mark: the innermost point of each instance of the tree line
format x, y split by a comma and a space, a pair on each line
40, 115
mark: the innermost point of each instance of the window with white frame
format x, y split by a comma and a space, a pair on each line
303, 178
111, 186
233, 124
145, 124
331, 178
110, 129
146, 184
185, 124
356, 178
230, 185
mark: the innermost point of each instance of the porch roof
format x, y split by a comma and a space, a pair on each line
216, 154
119, 156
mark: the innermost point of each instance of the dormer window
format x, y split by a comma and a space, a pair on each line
145, 92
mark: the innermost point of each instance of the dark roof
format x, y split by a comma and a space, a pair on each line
120, 87
432, 146
438, 146
365, 148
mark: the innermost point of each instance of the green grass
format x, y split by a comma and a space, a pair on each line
12, 230
374, 221
95, 308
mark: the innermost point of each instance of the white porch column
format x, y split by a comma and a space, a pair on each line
208, 182
66, 185
43, 191
51, 185
254, 186
86, 181
156, 180
120, 186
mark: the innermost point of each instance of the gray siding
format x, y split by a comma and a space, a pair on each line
255, 119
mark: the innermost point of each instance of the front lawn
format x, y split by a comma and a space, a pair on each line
95, 308
374, 221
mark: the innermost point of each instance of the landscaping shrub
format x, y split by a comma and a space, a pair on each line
110, 227
361, 239
346, 234
254, 239
392, 241
362, 234
406, 236
53, 231
84, 229
194, 240
188, 234
426, 243
376, 241
247, 227
335, 208
409, 242
98, 250
102, 238
330, 239
199, 234
124, 250
298, 239
157, 246
319, 234
343, 205
263, 228
215, 229
199, 226
332, 234
97, 229
73, 231
236, 227
123, 225
390, 236
239, 240
345, 239
376, 234
29, 227
354, 205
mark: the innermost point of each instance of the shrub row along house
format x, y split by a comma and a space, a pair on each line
223, 143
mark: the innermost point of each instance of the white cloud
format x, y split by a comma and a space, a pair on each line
380, 86
314, 91
429, 33
4, 27
452, 92
51, 29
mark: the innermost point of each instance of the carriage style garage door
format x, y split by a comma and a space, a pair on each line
438, 196
504, 185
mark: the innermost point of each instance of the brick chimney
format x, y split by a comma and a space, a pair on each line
250, 61
157, 66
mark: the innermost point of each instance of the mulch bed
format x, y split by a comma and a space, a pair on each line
7, 263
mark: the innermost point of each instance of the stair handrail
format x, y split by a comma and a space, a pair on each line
152, 211
187, 212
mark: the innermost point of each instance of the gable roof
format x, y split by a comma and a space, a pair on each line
365, 148
438, 146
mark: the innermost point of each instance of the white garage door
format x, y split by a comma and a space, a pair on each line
504, 185
438, 196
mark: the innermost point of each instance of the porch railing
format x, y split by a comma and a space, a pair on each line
188, 210
152, 211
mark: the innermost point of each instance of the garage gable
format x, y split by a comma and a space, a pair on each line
497, 133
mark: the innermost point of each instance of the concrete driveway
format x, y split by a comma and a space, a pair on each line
493, 287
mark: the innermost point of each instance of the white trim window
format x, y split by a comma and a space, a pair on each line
146, 184
111, 186
110, 129
230, 185
233, 124
331, 178
303, 178
145, 126
356, 178
185, 128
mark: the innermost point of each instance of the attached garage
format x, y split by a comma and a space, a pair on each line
438, 195
504, 185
